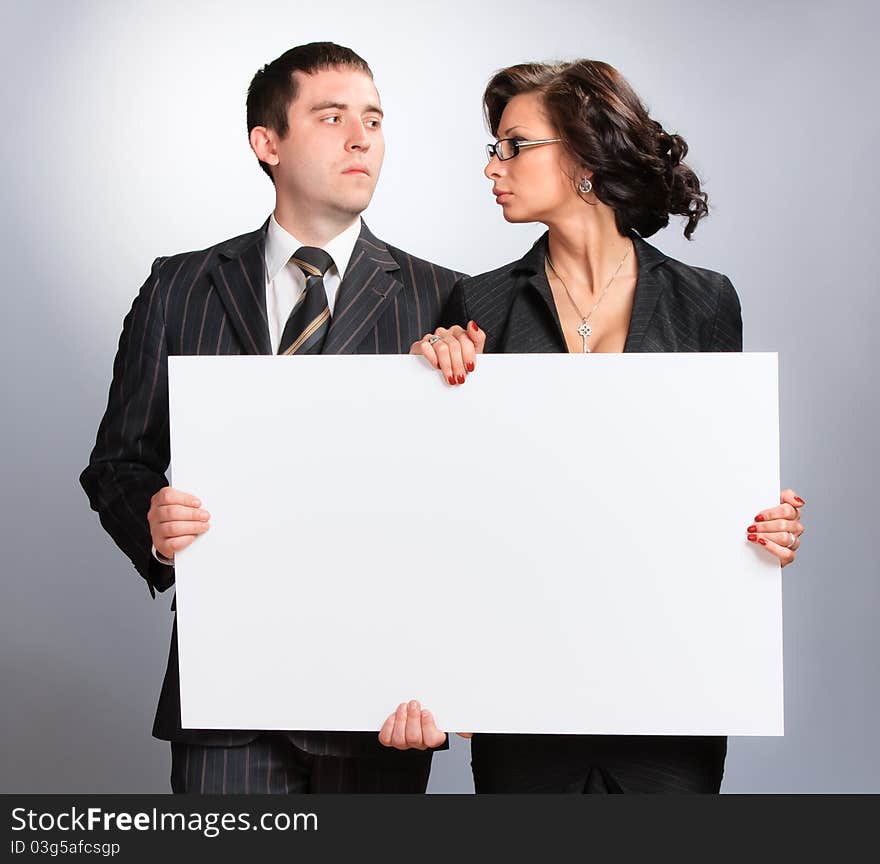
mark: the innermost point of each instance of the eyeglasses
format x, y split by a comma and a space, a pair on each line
507, 148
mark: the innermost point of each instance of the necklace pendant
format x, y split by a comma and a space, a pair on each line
585, 331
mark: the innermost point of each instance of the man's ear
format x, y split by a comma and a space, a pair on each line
264, 144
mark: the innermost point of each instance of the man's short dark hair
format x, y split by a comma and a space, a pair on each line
274, 87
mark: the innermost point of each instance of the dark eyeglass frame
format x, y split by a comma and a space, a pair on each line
518, 144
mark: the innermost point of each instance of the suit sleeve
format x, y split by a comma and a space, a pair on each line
131, 454
727, 329
455, 309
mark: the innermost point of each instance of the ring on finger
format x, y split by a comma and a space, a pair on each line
432, 339
793, 540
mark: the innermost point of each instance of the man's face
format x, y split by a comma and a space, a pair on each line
330, 159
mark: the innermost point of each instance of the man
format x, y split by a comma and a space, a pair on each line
312, 280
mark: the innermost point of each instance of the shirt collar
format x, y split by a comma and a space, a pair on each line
281, 244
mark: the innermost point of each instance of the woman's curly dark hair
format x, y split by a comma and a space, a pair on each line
637, 166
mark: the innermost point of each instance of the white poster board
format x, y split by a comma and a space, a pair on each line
556, 546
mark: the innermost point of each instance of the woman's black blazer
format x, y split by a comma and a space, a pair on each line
676, 307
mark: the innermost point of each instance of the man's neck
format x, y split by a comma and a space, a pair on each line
313, 229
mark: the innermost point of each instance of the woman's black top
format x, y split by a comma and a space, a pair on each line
676, 307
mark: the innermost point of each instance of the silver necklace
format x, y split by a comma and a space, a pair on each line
584, 329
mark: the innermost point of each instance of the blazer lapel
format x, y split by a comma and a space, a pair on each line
649, 286
240, 280
371, 281
531, 273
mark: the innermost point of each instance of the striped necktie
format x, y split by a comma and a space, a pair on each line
309, 320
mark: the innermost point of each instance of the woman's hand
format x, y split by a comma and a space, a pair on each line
453, 352
412, 727
779, 529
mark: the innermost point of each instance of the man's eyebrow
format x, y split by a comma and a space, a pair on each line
341, 106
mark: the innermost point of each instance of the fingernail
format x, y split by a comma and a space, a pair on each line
762, 541
470, 367
451, 380
753, 537
413, 706
204, 514
799, 500
461, 379
759, 518
195, 503
474, 326
752, 528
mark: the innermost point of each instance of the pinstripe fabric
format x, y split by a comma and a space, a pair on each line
675, 308
213, 302
272, 765
268, 765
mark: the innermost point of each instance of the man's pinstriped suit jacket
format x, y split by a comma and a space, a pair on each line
214, 302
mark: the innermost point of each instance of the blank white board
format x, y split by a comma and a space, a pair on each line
556, 546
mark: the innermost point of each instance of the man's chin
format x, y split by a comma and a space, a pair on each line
354, 205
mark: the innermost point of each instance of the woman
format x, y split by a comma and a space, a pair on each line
577, 151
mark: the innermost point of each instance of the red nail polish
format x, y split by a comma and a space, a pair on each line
461, 379
752, 528
470, 367
474, 327
762, 541
753, 537
799, 500
451, 380
759, 518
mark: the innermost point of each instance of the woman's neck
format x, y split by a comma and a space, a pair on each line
586, 246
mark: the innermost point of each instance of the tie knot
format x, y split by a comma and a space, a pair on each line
312, 261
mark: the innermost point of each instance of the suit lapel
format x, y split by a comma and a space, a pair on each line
370, 283
530, 269
240, 279
649, 287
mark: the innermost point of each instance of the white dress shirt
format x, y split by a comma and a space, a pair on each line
285, 282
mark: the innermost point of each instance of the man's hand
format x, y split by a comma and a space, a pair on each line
175, 520
411, 728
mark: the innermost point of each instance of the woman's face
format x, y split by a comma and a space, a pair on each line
536, 185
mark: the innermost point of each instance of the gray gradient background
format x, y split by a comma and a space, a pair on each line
124, 130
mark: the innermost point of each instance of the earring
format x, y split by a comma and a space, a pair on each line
585, 186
